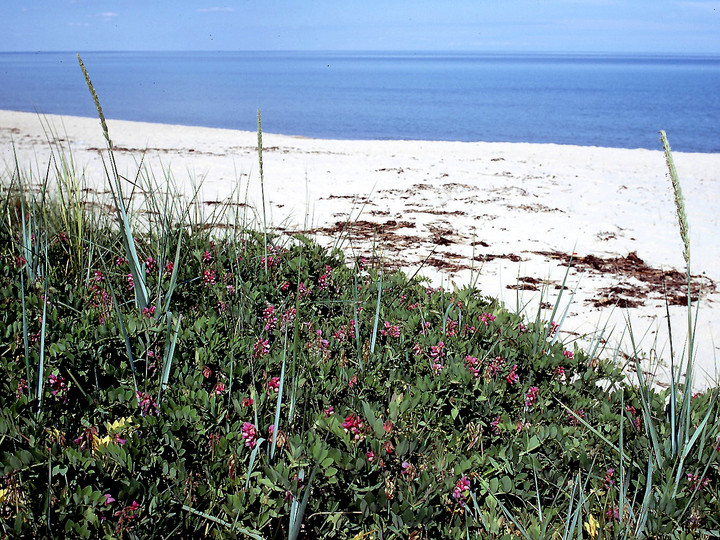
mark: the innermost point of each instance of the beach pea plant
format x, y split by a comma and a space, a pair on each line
305, 397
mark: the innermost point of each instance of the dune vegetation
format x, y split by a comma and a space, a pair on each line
169, 374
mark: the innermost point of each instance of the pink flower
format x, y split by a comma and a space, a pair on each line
560, 372
303, 291
353, 425
273, 385
219, 389
150, 265
58, 387
323, 280
370, 455
487, 318
209, 277
494, 424
130, 282
288, 316
436, 368
99, 276
567, 354
206, 372
249, 434
436, 351
148, 312
512, 377
169, 267
206, 257
696, 482
109, 499
126, 514
148, 407
353, 381
613, 513
392, 330
21, 388
462, 490
495, 366
608, 480
473, 365
329, 411
574, 419
284, 286
388, 426
261, 348
120, 261
553, 328
531, 396
247, 402
269, 318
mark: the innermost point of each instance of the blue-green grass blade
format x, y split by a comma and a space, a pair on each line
41, 359
173, 276
250, 534
279, 400
297, 521
253, 457
169, 353
123, 330
377, 315
26, 342
646, 501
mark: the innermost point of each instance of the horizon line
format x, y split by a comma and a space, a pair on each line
382, 51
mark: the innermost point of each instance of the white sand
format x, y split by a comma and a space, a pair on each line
508, 199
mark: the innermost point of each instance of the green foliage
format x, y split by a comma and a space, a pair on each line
405, 410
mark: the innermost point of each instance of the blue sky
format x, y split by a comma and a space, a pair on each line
679, 26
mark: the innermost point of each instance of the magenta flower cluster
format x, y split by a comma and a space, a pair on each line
147, 405
249, 434
473, 365
58, 387
354, 425
461, 493
269, 318
531, 396
392, 330
512, 377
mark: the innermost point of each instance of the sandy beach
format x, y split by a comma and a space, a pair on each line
509, 215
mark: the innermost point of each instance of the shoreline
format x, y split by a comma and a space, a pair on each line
515, 210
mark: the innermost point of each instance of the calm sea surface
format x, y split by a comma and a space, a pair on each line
618, 101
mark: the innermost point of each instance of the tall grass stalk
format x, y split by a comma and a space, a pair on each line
262, 186
142, 299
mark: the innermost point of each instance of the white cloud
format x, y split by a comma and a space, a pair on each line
215, 10
107, 14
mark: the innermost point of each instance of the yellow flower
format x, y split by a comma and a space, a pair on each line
592, 526
4, 493
118, 425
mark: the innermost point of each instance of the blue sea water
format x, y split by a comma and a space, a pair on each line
591, 99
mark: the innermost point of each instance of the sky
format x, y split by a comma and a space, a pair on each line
642, 26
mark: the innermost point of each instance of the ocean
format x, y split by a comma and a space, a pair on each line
583, 99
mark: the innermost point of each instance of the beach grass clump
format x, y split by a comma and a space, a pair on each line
280, 392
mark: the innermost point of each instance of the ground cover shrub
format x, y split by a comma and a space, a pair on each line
286, 393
